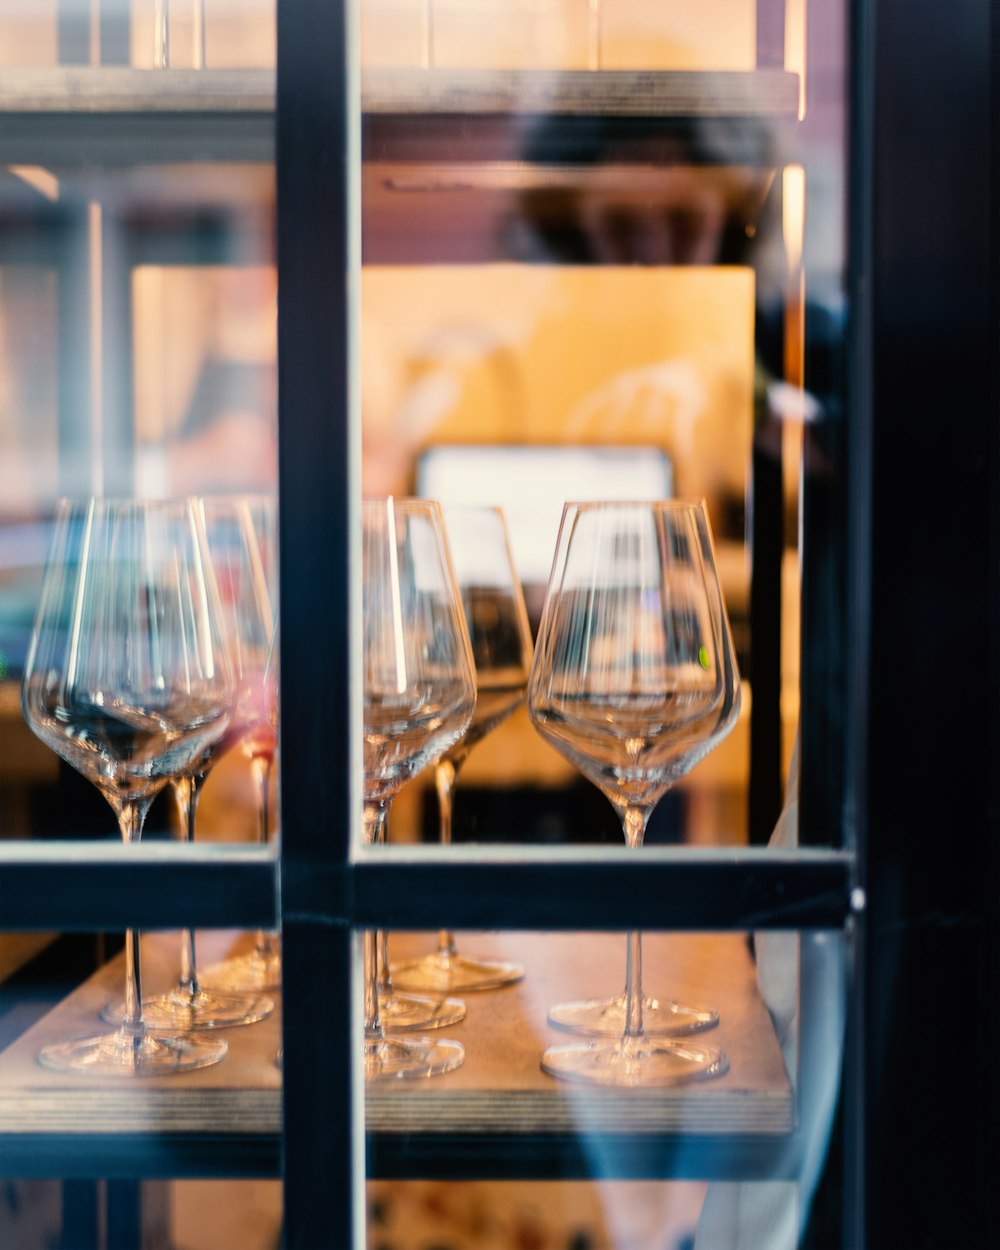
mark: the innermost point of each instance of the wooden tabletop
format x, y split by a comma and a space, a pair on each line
500, 1088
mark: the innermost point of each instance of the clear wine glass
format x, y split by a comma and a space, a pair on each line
245, 552
634, 680
127, 679
501, 647
235, 527
419, 695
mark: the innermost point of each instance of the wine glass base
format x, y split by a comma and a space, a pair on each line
244, 974
399, 1059
413, 1011
446, 974
181, 1011
634, 1062
606, 1017
117, 1054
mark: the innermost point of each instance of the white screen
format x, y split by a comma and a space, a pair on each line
531, 484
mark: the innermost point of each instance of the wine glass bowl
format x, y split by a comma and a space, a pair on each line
419, 695
500, 637
634, 681
128, 681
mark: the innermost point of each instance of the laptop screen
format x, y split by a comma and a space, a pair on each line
531, 484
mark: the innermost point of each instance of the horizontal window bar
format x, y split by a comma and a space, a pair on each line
151, 885
427, 1155
579, 888
69, 885
556, 1156
114, 1156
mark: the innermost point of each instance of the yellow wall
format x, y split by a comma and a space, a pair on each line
507, 353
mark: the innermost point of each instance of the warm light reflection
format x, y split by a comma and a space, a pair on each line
43, 180
793, 209
795, 46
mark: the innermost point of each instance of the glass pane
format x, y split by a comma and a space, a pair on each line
573, 293
602, 264
137, 370
733, 1151
137, 323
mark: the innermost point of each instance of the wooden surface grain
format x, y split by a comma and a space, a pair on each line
500, 1088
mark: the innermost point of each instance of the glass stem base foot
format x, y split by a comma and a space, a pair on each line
606, 1017
444, 973
244, 974
634, 1062
409, 1059
414, 1011
180, 1010
119, 1054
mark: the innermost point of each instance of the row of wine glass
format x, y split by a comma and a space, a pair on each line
153, 653
633, 679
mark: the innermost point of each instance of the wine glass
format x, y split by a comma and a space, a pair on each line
232, 526
501, 647
634, 680
127, 679
243, 548
419, 695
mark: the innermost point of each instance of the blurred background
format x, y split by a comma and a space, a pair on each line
576, 309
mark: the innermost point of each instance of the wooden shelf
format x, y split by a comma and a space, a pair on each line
499, 1096
115, 115
609, 93
582, 93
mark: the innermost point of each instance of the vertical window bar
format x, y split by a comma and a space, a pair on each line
860, 163
314, 231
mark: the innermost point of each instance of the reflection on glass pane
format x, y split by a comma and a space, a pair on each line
781, 1013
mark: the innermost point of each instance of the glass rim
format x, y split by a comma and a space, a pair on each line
64, 502
663, 505
400, 503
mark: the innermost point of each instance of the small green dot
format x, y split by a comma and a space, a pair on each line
703, 656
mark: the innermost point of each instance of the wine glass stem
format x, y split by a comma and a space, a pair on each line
594, 35
374, 1031
260, 766
161, 34
633, 985
384, 976
133, 1023
382, 955
198, 21
186, 791
634, 820
444, 782
131, 815
374, 817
